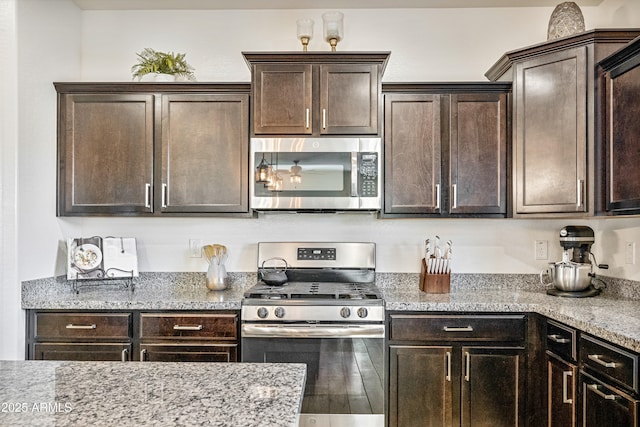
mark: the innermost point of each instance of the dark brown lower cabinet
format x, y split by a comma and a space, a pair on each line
172, 336
456, 370
421, 389
561, 392
605, 405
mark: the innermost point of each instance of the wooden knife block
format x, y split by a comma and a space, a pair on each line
434, 283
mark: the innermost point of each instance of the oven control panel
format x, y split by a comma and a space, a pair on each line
311, 254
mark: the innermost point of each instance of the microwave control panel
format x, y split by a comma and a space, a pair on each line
368, 174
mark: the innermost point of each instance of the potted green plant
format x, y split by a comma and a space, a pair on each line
157, 63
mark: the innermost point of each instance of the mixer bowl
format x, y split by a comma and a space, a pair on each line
568, 276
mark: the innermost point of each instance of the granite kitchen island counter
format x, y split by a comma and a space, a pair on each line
47, 393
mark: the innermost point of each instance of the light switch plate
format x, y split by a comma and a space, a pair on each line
542, 249
630, 253
195, 248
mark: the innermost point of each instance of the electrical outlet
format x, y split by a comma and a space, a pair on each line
195, 248
630, 253
542, 249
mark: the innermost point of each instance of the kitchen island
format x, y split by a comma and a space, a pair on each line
48, 393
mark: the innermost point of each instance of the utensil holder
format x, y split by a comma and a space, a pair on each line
434, 283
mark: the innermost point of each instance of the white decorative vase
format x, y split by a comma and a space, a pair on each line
566, 20
158, 77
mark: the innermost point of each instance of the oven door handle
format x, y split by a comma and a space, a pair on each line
274, 330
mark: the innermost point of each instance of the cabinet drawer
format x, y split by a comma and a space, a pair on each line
189, 353
428, 327
562, 340
83, 325
103, 352
618, 364
188, 326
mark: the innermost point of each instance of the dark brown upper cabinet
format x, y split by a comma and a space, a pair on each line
148, 149
316, 93
620, 84
446, 149
555, 133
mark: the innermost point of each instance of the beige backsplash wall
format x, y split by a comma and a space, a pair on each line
426, 45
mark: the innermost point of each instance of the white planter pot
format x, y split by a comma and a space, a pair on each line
158, 77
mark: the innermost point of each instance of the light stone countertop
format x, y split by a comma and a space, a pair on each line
48, 393
614, 315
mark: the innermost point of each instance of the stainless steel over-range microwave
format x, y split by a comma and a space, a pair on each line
316, 174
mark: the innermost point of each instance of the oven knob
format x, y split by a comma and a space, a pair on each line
263, 312
363, 312
345, 312
279, 312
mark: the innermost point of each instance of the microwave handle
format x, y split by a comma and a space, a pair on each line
354, 174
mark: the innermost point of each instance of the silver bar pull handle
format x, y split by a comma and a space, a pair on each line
164, 195
454, 196
187, 327
143, 355
565, 387
596, 358
448, 361
579, 188
324, 118
558, 339
458, 329
594, 388
307, 118
72, 326
147, 195
354, 174
124, 356
467, 365
437, 196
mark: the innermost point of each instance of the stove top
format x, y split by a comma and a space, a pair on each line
315, 291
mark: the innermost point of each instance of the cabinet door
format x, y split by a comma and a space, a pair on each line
493, 389
349, 99
82, 351
205, 141
561, 392
623, 139
282, 99
105, 151
420, 386
550, 152
478, 151
412, 154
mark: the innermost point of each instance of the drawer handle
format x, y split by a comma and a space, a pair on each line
143, 355
72, 326
596, 358
457, 329
467, 367
565, 377
187, 327
594, 388
124, 356
558, 339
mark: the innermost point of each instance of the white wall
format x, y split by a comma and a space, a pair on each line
58, 42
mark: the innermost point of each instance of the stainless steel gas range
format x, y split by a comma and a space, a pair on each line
328, 314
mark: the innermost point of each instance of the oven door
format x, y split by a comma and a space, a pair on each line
316, 173
345, 371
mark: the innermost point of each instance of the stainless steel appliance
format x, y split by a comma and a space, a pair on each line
317, 174
330, 315
573, 276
